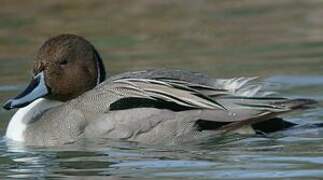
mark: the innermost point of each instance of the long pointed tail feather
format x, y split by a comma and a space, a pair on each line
294, 104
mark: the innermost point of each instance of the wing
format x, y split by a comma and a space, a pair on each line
129, 93
218, 108
186, 95
241, 86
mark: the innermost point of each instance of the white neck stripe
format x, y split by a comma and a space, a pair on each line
20, 120
98, 71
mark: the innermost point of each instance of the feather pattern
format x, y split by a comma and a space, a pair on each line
222, 96
178, 93
200, 96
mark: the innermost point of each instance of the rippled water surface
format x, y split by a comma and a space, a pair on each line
280, 41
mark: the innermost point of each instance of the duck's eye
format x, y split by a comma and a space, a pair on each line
64, 62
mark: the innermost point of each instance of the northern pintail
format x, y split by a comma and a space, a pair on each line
69, 99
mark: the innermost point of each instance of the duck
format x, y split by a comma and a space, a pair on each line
70, 98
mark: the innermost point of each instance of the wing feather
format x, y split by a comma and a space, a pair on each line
178, 93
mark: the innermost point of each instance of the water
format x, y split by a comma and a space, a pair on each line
280, 41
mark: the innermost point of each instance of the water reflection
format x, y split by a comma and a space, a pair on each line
247, 158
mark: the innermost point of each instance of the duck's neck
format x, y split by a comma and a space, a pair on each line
26, 115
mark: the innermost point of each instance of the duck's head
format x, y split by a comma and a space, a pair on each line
65, 67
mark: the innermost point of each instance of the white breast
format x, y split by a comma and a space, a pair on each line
24, 116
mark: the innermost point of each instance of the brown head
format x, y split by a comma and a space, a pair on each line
68, 65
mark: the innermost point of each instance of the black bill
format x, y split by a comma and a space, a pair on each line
36, 89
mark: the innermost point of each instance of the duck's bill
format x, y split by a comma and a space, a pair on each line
36, 89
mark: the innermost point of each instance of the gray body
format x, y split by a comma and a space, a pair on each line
89, 116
